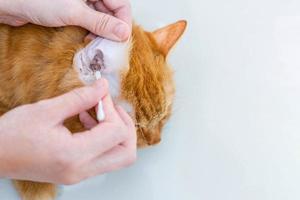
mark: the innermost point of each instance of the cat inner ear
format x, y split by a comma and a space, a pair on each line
167, 37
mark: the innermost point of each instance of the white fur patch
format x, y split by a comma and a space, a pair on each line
116, 60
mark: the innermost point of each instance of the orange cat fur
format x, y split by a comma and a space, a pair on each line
36, 63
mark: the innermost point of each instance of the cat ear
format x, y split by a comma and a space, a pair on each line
167, 37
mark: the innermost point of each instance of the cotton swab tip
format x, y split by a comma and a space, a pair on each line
98, 74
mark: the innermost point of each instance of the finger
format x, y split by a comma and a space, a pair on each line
89, 37
99, 139
121, 9
114, 159
91, 5
103, 24
131, 142
99, 6
105, 135
111, 114
76, 101
13, 21
87, 120
125, 117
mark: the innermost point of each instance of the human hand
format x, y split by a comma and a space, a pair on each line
110, 19
34, 144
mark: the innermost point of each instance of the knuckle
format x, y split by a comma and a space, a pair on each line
132, 133
129, 135
64, 162
120, 133
80, 95
128, 5
70, 179
130, 158
69, 172
131, 125
102, 23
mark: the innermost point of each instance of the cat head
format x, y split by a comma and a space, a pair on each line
148, 84
139, 76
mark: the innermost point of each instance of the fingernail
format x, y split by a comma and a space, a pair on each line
121, 31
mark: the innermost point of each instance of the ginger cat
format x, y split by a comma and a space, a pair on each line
28, 54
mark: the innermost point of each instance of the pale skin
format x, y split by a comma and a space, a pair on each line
108, 18
34, 144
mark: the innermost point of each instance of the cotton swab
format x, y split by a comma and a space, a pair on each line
97, 64
100, 113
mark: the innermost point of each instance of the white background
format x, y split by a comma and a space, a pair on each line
235, 132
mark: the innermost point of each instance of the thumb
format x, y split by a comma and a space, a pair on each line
104, 25
76, 101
